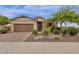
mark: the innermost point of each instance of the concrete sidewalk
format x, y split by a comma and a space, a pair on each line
39, 47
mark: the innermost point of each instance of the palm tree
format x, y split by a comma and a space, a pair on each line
65, 15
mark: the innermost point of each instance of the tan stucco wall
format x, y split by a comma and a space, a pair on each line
28, 21
44, 25
22, 21
44, 22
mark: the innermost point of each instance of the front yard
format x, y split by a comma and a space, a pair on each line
49, 38
27, 37
69, 34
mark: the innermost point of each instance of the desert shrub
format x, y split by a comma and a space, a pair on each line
46, 31
64, 31
56, 31
3, 30
72, 31
50, 29
58, 28
77, 29
8, 28
35, 32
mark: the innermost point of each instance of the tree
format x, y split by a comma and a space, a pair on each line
65, 15
4, 20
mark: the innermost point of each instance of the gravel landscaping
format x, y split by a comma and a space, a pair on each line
66, 38
27, 37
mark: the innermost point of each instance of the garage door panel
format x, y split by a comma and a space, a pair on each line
23, 27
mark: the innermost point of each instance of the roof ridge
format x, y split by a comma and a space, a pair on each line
22, 17
39, 17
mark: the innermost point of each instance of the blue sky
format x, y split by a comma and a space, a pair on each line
45, 11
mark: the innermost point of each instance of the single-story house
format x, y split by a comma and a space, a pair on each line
27, 24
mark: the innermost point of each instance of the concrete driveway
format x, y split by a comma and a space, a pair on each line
15, 37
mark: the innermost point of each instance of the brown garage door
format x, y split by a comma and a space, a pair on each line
23, 27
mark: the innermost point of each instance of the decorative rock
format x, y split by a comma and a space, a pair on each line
57, 37
38, 37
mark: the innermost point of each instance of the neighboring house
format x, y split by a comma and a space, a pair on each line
27, 24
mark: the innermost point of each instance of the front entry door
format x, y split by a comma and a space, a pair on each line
39, 26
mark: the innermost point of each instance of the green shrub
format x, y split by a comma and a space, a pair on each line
50, 29
46, 31
58, 28
56, 31
72, 31
77, 29
35, 32
3, 30
64, 31
8, 28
